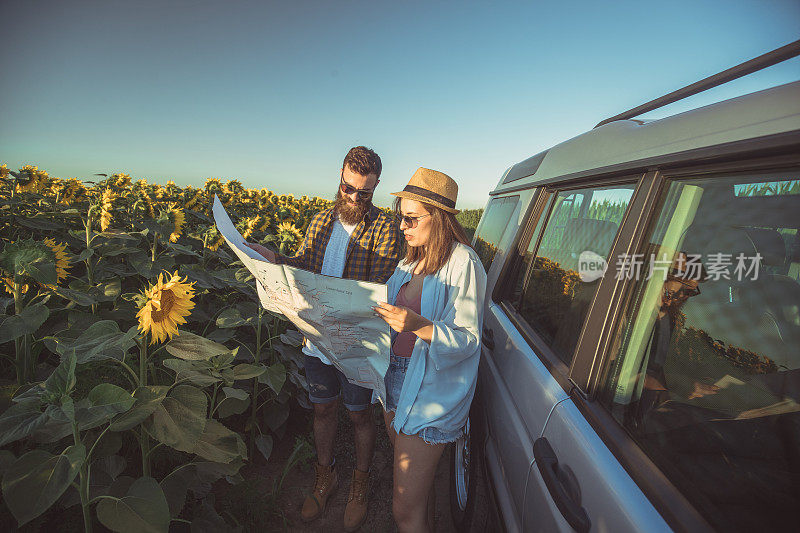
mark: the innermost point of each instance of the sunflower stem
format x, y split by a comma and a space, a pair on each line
254, 401
19, 343
83, 490
144, 442
155, 247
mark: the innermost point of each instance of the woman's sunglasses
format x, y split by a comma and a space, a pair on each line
411, 222
363, 194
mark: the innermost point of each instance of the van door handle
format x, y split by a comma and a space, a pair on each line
547, 461
488, 338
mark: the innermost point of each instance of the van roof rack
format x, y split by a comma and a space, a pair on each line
748, 67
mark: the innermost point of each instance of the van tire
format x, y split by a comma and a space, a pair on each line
472, 515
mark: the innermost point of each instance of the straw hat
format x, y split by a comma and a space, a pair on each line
431, 187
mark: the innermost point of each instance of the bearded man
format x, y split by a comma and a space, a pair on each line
355, 240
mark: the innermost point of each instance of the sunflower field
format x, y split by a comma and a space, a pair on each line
136, 367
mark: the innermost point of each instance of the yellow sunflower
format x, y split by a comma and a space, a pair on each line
106, 208
62, 263
178, 219
168, 304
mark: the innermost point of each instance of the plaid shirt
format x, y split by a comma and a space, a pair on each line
372, 253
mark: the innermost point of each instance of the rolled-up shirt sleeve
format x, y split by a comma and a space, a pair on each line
457, 335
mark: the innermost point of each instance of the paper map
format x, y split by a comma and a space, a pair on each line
334, 314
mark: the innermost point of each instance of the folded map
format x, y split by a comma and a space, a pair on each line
335, 314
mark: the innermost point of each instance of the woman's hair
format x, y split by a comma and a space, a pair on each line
445, 231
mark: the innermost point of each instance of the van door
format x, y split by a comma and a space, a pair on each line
698, 392
542, 304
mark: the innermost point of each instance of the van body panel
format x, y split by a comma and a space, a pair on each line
518, 393
611, 499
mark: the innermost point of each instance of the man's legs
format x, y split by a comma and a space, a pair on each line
358, 401
323, 391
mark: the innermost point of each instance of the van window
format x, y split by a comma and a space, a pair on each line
550, 294
491, 227
704, 369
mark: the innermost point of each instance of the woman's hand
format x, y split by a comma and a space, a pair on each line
268, 254
403, 319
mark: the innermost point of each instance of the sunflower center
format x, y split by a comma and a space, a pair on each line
167, 301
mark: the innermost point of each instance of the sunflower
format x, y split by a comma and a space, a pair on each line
168, 304
178, 219
106, 207
61, 261
288, 235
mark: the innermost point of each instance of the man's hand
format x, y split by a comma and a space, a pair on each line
268, 254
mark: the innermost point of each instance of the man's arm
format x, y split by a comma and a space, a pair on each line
387, 252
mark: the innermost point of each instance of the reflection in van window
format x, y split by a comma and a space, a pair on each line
704, 369
554, 298
491, 227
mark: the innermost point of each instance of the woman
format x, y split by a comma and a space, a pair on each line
435, 312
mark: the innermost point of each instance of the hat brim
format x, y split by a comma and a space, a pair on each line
419, 198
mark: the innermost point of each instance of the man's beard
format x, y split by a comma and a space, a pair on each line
350, 214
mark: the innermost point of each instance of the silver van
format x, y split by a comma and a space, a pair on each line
641, 344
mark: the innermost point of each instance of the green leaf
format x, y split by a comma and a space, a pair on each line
247, 371
62, 380
242, 315
235, 402
193, 347
28, 321
20, 420
80, 298
275, 415
264, 445
175, 486
105, 402
180, 419
37, 479
220, 444
103, 340
197, 372
147, 399
275, 377
143, 509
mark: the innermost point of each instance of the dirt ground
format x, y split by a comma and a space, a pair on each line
379, 515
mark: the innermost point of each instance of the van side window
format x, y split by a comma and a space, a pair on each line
491, 227
551, 295
704, 369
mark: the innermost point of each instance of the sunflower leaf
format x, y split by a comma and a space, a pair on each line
37, 479
180, 418
102, 340
147, 399
26, 322
143, 509
20, 420
191, 347
235, 402
275, 377
220, 444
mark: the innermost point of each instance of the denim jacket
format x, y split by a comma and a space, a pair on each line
441, 377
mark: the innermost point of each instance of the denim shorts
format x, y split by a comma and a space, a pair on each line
326, 383
394, 384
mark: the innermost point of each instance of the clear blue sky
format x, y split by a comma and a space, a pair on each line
274, 93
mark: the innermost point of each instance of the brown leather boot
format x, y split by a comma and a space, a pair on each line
356, 511
317, 499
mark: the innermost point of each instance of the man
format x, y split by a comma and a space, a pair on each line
356, 240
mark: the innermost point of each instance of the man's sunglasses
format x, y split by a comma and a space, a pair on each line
363, 194
411, 222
